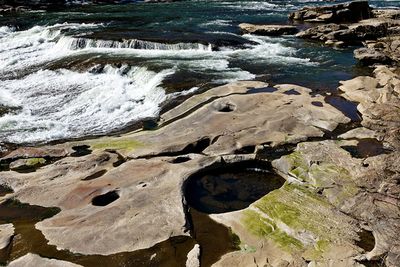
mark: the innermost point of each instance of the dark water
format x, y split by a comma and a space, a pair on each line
93, 69
230, 187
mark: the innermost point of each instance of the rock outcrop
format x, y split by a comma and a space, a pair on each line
352, 34
269, 30
379, 32
340, 13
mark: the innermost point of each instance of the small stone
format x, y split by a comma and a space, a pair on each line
329, 43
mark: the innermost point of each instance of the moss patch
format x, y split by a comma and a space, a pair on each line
34, 162
117, 144
323, 175
299, 166
296, 217
263, 227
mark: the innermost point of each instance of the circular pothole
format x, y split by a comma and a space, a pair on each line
230, 187
227, 107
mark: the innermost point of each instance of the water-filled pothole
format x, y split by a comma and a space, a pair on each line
227, 107
348, 108
105, 199
230, 187
365, 148
181, 160
81, 151
268, 89
317, 103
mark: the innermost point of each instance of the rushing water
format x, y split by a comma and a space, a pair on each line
91, 70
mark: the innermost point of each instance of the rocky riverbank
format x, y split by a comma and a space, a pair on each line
355, 24
330, 186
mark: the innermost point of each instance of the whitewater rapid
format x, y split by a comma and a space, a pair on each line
52, 103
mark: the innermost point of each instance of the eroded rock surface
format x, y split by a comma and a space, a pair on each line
107, 207
125, 193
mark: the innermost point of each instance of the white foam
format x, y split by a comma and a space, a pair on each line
255, 5
271, 50
66, 104
72, 43
20, 50
217, 22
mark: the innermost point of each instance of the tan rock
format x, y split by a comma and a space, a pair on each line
30, 260
6, 233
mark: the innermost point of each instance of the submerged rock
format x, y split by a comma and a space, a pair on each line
271, 30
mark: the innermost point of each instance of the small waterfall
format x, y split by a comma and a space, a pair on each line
72, 43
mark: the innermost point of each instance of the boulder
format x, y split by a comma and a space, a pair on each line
270, 30
369, 56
